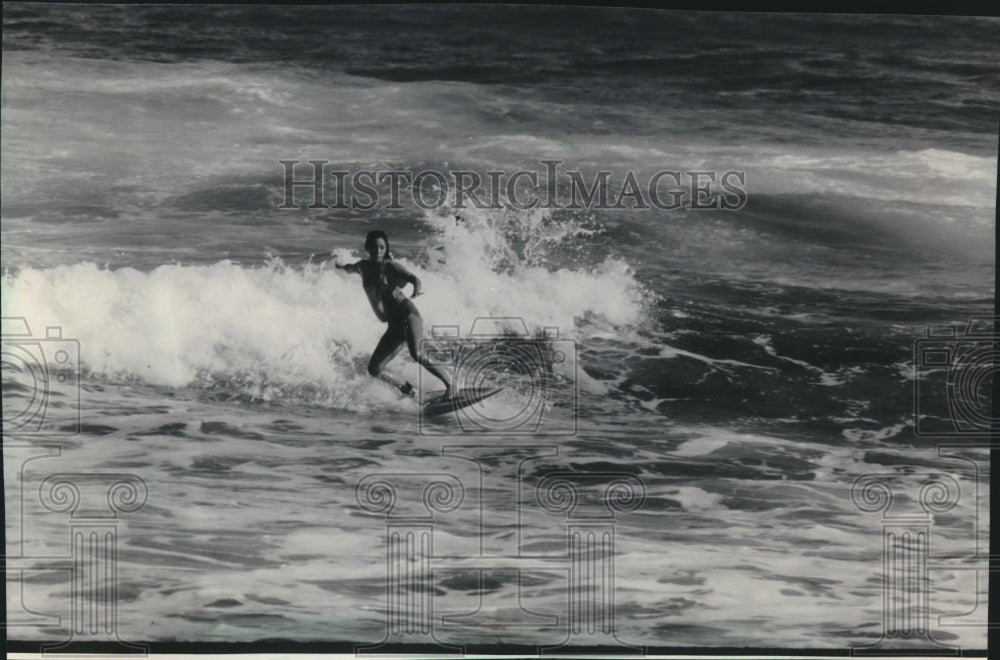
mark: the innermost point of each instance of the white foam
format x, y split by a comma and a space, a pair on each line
671, 352
960, 180
271, 328
868, 435
702, 446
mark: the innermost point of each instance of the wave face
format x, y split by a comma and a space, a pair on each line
273, 330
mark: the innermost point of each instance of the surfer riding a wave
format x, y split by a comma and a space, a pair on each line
383, 280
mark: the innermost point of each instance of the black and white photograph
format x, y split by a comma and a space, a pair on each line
509, 329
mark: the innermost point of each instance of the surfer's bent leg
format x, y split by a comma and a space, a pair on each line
388, 347
414, 332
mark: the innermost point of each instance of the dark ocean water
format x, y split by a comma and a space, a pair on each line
745, 366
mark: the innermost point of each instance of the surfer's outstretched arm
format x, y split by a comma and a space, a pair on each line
370, 291
350, 268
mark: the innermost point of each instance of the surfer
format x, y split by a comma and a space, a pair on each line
383, 280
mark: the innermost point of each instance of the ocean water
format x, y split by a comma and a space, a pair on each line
734, 371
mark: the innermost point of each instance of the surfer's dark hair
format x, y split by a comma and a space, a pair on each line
373, 236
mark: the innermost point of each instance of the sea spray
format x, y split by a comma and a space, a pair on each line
274, 332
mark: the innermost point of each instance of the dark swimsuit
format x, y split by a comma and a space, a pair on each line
389, 278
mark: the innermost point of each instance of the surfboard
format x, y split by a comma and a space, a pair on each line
463, 398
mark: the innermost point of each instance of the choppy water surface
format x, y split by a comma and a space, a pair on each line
738, 369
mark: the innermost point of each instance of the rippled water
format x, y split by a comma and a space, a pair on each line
731, 375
